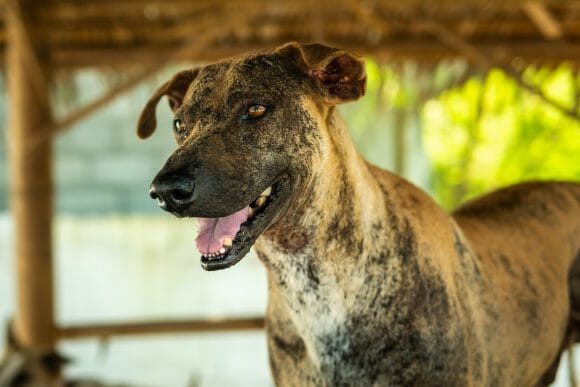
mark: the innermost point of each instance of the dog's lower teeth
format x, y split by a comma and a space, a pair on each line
221, 252
228, 242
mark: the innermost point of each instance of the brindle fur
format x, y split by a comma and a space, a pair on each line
370, 281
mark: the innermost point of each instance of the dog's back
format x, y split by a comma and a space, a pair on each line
526, 241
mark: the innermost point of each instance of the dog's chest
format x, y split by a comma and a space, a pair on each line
351, 336
332, 352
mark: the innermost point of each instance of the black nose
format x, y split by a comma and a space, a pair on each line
172, 193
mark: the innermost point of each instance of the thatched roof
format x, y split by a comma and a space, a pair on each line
81, 33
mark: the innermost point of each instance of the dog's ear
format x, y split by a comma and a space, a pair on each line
340, 74
175, 90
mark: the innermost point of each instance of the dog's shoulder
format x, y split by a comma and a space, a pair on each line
407, 199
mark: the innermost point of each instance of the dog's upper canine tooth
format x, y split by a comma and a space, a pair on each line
260, 201
267, 192
250, 212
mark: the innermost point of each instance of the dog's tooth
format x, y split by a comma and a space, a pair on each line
250, 212
260, 201
267, 192
222, 250
227, 242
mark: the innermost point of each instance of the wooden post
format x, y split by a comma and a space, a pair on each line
31, 191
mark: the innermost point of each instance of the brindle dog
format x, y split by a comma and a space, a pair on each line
370, 281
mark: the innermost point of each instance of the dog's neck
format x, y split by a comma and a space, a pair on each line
317, 246
339, 204
349, 260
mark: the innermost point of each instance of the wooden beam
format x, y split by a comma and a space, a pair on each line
194, 326
472, 53
487, 62
90, 10
105, 99
31, 184
543, 19
190, 48
418, 49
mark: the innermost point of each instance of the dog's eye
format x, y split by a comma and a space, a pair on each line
178, 126
254, 111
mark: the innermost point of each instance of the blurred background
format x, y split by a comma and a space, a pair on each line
463, 97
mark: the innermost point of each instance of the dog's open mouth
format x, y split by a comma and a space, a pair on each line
224, 241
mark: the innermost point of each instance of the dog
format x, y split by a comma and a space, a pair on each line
370, 282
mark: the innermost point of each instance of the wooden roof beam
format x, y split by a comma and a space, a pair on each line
453, 40
106, 98
486, 62
419, 49
544, 20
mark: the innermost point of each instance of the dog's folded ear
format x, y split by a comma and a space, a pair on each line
340, 74
175, 90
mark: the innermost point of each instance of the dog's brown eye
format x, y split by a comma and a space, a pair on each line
178, 126
254, 111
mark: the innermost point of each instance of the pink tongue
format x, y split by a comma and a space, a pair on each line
212, 231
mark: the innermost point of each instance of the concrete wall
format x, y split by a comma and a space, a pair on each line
100, 164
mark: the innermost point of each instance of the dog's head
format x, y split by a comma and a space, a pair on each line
249, 132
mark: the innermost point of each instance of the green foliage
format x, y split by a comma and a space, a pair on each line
489, 133
483, 133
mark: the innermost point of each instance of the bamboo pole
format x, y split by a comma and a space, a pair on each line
193, 326
31, 192
548, 25
420, 49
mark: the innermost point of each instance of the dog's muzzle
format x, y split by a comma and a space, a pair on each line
173, 193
